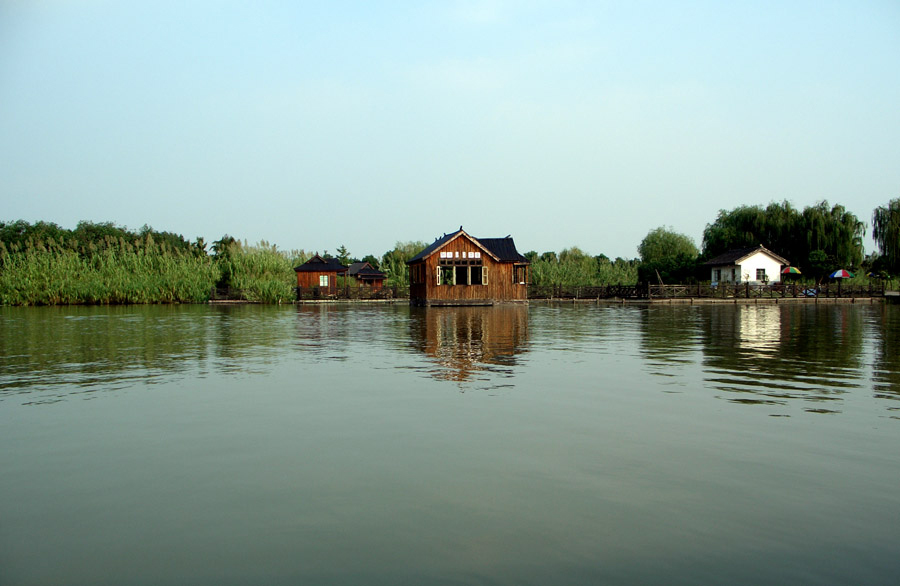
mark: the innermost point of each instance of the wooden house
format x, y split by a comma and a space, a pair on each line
458, 269
755, 265
366, 275
320, 273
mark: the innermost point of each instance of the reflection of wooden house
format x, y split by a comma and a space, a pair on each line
458, 269
366, 275
320, 272
463, 341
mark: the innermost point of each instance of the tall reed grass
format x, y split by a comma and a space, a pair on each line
48, 273
572, 267
261, 273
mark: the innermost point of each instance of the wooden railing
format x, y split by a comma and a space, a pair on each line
697, 290
772, 291
579, 292
351, 293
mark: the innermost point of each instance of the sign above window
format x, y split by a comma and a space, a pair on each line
458, 254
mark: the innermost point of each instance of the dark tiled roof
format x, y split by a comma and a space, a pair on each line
433, 246
504, 249
319, 264
733, 256
364, 269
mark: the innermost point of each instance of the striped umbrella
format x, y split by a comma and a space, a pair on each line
841, 274
790, 271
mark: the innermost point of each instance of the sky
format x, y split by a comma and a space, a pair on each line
312, 125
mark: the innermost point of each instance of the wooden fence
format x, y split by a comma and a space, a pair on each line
601, 292
773, 291
698, 290
349, 292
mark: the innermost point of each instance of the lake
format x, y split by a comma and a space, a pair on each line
383, 444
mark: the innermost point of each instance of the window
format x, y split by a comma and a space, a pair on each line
520, 273
717, 275
461, 272
323, 280
761, 275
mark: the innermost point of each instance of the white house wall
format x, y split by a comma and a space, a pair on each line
746, 271
725, 274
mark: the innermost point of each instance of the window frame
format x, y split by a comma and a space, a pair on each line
458, 272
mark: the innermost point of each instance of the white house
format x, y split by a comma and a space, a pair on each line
756, 265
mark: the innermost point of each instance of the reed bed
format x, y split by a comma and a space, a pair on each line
575, 268
117, 272
262, 273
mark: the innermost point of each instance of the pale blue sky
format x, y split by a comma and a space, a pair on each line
312, 125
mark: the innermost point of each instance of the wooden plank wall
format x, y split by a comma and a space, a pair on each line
308, 279
500, 285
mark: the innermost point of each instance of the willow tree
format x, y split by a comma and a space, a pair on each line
886, 232
836, 231
775, 227
737, 228
821, 228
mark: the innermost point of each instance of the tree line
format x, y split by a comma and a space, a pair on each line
817, 240
42, 263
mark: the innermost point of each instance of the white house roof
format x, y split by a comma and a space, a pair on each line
738, 255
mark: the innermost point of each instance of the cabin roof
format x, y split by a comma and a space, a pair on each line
321, 265
733, 257
426, 252
364, 269
502, 249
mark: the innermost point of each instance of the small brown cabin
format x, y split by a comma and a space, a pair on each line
320, 272
458, 269
366, 275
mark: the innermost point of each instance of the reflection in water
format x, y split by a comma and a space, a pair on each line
343, 331
86, 349
770, 354
463, 341
812, 355
669, 338
59, 351
774, 354
886, 370
315, 452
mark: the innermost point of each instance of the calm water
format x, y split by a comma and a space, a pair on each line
388, 445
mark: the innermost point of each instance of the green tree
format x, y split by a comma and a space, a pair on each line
886, 232
549, 256
775, 227
789, 233
393, 262
817, 264
667, 255
370, 258
836, 231
199, 246
343, 255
